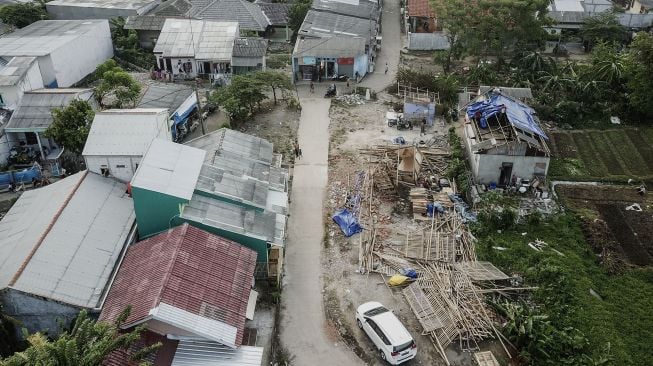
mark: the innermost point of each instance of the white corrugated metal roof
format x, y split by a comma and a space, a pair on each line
203, 40
27, 220
102, 4
43, 37
213, 330
75, 260
169, 168
206, 353
126, 131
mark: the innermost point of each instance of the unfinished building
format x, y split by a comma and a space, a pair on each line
504, 140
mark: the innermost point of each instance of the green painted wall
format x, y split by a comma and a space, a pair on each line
260, 246
154, 211
228, 200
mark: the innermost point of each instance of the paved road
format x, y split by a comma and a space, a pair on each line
390, 48
302, 314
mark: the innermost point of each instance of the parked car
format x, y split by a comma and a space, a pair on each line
389, 336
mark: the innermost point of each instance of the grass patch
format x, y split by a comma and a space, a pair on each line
621, 321
278, 61
628, 152
606, 154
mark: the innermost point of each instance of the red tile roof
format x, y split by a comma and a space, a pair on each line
187, 268
420, 8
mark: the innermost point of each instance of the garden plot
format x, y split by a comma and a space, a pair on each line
617, 229
610, 155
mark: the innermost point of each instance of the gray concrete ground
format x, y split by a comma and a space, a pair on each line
390, 48
303, 323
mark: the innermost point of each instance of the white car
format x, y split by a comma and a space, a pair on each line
389, 336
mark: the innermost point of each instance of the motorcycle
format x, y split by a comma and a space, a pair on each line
331, 91
337, 77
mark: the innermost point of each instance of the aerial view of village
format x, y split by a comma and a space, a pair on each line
326, 182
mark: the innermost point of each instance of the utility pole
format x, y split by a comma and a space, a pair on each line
199, 105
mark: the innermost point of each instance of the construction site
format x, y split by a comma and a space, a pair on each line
398, 233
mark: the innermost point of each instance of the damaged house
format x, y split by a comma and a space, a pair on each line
504, 140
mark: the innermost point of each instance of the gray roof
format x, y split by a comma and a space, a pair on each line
517, 93
43, 37
250, 47
165, 95
108, 4
323, 24
126, 132
145, 22
428, 41
79, 248
197, 352
263, 225
575, 17
248, 15
235, 143
365, 9
329, 47
203, 40
14, 70
169, 168
236, 188
34, 111
277, 13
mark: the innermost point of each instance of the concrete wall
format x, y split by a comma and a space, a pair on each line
487, 168
120, 167
48, 74
155, 212
60, 11
75, 60
37, 314
12, 94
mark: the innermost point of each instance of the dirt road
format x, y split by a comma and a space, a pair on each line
303, 325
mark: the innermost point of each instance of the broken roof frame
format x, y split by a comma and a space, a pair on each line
504, 127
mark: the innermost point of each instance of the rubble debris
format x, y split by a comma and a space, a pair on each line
350, 99
634, 207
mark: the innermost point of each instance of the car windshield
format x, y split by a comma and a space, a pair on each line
402, 347
376, 311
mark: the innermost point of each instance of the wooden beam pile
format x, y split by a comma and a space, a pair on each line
419, 198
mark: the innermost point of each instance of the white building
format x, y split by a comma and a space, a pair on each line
98, 9
187, 48
119, 138
504, 140
19, 75
66, 50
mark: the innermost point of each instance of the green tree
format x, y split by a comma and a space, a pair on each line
603, 27
241, 96
116, 83
297, 14
274, 81
71, 125
639, 68
9, 343
122, 38
22, 14
454, 16
86, 344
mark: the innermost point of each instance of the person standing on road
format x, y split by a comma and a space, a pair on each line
386, 67
422, 130
296, 149
312, 87
300, 152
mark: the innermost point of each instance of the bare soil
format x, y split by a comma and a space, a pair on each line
624, 237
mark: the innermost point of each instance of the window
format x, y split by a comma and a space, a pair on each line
120, 166
30, 138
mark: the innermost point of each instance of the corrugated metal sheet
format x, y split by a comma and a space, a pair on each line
204, 327
242, 145
146, 22
189, 269
212, 40
427, 41
165, 95
75, 260
217, 181
103, 4
15, 70
329, 47
43, 37
277, 13
246, 14
323, 24
206, 353
126, 132
518, 93
169, 168
27, 220
34, 111
364, 9
250, 47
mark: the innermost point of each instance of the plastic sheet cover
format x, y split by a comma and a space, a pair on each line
347, 222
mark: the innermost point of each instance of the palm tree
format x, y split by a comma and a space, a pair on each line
86, 344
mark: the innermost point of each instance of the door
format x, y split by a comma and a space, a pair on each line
168, 64
207, 67
506, 173
372, 331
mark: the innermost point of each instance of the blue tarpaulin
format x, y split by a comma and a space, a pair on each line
519, 114
185, 109
347, 222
